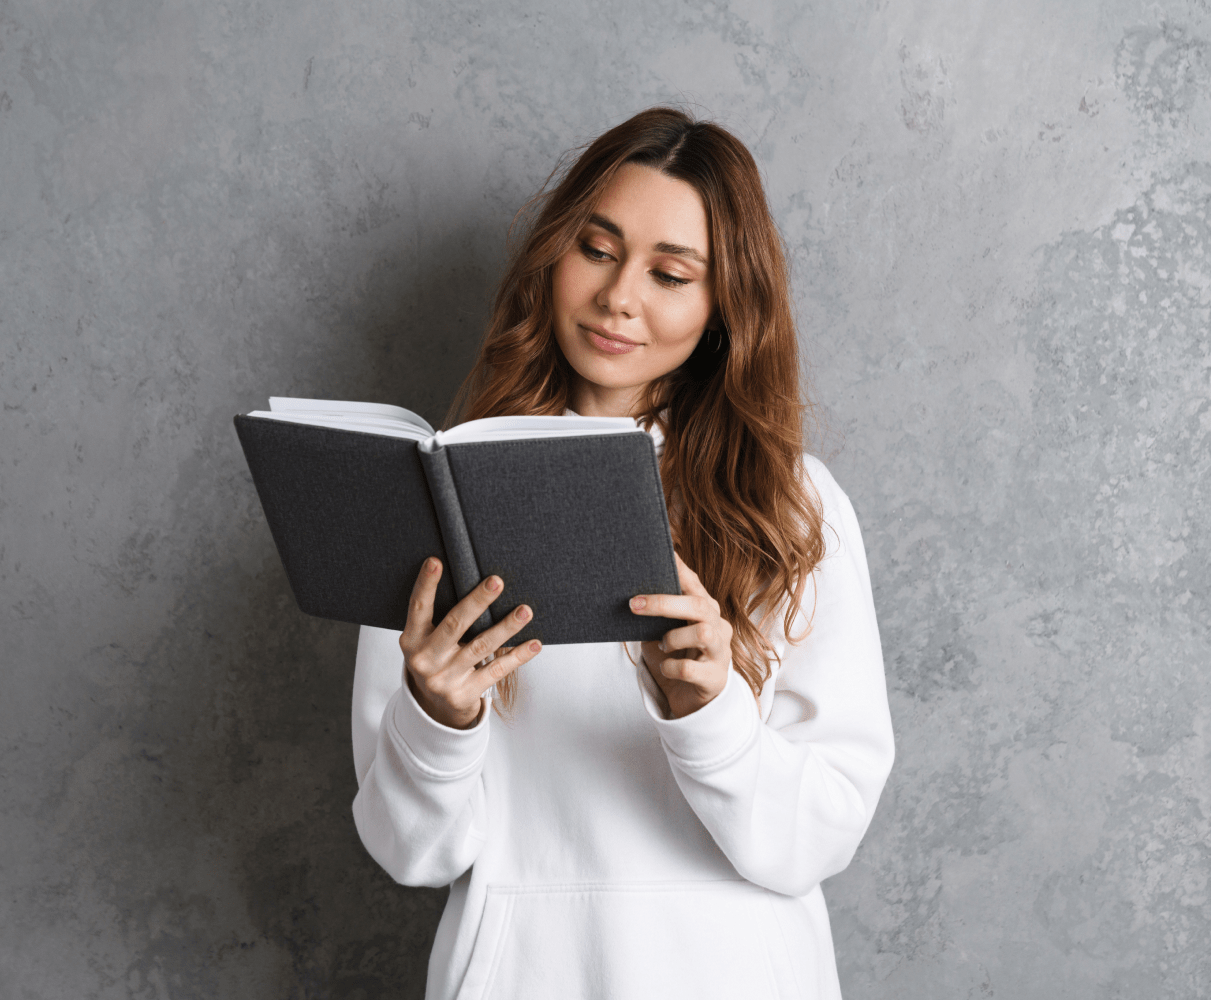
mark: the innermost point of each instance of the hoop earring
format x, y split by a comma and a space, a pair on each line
715, 340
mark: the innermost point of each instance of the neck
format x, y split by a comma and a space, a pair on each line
591, 400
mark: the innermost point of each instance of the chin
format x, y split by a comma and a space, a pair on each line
606, 376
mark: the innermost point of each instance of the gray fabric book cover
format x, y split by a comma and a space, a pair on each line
575, 526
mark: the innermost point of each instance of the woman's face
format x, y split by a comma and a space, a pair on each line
633, 295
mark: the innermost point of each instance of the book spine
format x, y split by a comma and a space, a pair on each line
463, 568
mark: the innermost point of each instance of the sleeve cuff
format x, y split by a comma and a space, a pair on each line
437, 750
714, 735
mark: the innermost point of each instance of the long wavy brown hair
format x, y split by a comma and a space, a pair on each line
743, 513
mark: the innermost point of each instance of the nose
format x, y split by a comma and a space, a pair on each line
620, 294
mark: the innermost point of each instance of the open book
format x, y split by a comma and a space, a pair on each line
568, 511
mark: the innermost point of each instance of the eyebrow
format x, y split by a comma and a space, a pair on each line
676, 249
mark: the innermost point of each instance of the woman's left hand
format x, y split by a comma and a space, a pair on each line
690, 663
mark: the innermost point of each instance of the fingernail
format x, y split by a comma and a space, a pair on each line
535, 646
431, 565
523, 613
494, 583
638, 603
663, 646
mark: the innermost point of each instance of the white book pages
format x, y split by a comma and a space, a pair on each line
517, 428
388, 428
342, 408
395, 421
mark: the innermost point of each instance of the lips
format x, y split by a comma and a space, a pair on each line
608, 343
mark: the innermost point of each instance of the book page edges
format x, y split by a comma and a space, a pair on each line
517, 428
340, 407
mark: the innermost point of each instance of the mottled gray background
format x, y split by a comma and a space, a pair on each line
998, 214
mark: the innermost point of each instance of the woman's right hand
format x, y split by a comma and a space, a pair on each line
441, 671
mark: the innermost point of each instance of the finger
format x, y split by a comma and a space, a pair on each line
491, 639
465, 613
701, 635
691, 607
687, 671
690, 584
420, 604
502, 666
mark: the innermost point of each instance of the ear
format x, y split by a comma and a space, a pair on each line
715, 335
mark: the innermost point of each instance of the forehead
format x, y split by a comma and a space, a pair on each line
651, 207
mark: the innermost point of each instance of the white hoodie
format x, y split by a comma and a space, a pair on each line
595, 849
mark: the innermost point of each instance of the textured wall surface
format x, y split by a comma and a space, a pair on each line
998, 214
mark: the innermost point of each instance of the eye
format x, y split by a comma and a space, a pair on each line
669, 280
592, 252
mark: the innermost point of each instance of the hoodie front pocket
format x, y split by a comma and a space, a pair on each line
666, 940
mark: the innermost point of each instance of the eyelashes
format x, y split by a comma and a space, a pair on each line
597, 256
592, 252
668, 279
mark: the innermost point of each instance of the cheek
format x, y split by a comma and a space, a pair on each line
679, 325
557, 287
570, 284
565, 302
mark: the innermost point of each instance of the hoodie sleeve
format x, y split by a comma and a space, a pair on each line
787, 787
419, 808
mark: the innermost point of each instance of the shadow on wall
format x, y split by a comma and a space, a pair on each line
263, 886
312, 892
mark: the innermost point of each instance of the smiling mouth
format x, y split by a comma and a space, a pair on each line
608, 344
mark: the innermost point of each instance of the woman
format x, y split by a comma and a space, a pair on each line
656, 820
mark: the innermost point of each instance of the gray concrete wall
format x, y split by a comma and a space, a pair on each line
999, 220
